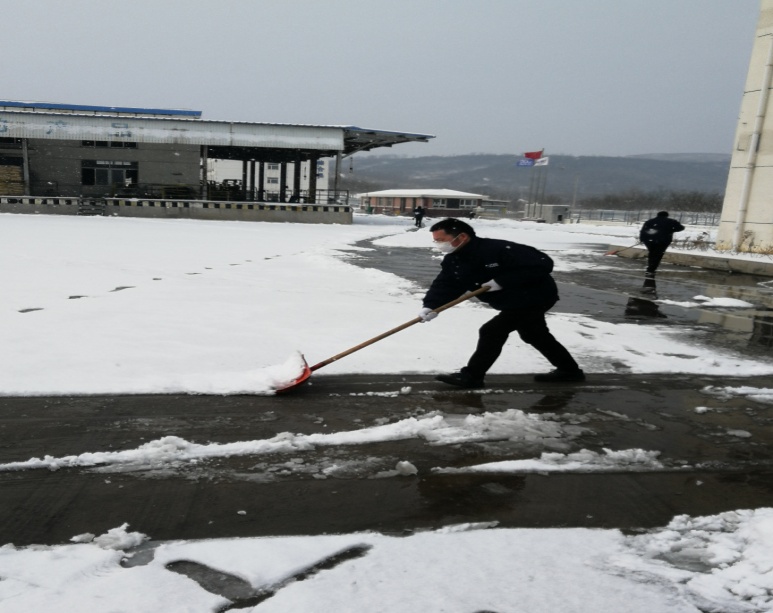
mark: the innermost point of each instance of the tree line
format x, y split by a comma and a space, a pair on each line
634, 199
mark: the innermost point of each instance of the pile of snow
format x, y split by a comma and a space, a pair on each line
115, 538
721, 563
627, 460
757, 394
705, 301
436, 429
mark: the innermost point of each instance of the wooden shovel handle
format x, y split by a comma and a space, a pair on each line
407, 324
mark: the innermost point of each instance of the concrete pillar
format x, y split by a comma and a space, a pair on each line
261, 180
244, 180
25, 166
747, 212
338, 172
252, 180
283, 182
313, 179
204, 191
296, 178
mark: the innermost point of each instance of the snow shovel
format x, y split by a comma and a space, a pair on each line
307, 370
616, 251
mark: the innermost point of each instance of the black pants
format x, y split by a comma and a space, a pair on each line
531, 327
655, 253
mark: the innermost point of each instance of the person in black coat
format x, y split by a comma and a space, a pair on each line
520, 288
418, 215
657, 234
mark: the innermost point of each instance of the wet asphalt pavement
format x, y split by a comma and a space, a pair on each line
713, 462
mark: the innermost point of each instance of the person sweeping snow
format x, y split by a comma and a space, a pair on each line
657, 234
520, 287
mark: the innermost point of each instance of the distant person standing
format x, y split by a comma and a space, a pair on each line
418, 215
657, 234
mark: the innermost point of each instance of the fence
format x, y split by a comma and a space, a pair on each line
634, 217
221, 192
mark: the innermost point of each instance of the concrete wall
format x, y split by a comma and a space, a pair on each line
554, 213
701, 260
179, 209
39, 206
752, 230
237, 211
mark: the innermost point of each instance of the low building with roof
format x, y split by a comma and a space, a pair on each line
148, 162
435, 202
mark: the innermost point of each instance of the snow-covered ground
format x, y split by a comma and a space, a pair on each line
719, 563
128, 306
224, 307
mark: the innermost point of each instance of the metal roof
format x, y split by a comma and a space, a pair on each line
364, 139
85, 108
78, 122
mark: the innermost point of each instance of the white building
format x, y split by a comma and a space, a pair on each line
435, 202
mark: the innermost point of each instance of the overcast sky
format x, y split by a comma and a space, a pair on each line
581, 77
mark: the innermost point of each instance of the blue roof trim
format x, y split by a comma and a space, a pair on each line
100, 109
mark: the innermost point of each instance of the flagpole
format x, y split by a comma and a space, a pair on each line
534, 181
544, 178
574, 196
532, 195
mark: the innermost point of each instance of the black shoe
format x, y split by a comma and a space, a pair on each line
561, 375
461, 379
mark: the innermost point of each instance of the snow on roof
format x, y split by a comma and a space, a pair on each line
426, 193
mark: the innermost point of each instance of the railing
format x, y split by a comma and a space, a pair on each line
321, 196
219, 192
633, 217
118, 190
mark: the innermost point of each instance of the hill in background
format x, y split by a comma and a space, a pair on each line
498, 176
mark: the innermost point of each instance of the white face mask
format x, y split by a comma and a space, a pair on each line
445, 247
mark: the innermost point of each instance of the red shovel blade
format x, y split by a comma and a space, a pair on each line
299, 380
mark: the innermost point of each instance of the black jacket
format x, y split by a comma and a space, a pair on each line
659, 231
522, 271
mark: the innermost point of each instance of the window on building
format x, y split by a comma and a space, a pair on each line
272, 181
111, 144
272, 166
104, 172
